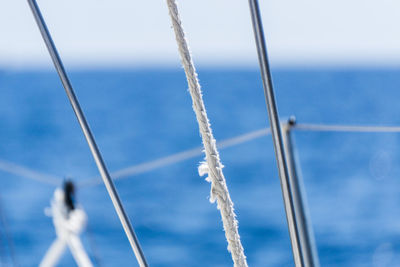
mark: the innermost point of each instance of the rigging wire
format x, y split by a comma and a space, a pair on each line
128, 172
346, 128
175, 158
27, 173
277, 138
119, 208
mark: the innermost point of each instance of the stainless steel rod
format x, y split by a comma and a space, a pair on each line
305, 232
276, 131
88, 135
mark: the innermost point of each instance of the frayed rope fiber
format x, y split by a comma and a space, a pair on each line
212, 166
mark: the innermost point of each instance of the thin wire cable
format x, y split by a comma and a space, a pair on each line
346, 128
27, 173
243, 138
273, 116
303, 221
130, 233
175, 158
134, 170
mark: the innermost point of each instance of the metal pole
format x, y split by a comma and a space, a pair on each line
276, 131
305, 232
88, 135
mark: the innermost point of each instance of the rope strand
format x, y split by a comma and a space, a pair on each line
213, 166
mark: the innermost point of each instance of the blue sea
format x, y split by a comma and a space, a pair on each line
352, 180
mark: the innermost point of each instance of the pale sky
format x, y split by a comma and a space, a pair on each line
100, 33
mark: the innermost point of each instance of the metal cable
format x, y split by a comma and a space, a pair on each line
25, 172
126, 224
273, 116
346, 128
175, 158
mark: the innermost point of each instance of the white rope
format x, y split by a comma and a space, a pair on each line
347, 128
213, 166
29, 174
68, 224
148, 166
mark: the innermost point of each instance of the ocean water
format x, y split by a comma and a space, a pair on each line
351, 179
